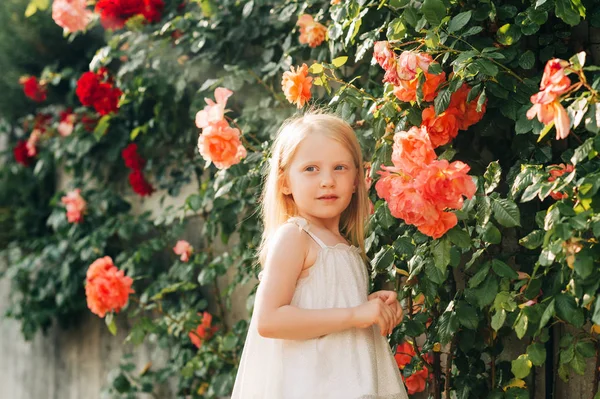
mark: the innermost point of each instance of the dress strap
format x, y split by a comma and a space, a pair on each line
303, 224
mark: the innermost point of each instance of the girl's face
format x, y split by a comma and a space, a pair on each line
321, 177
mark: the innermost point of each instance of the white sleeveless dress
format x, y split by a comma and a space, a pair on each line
352, 364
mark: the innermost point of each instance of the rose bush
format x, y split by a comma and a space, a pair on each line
485, 223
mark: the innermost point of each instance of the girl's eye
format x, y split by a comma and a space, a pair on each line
310, 169
340, 167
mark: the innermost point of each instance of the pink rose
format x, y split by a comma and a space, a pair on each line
184, 249
213, 112
75, 205
71, 15
410, 62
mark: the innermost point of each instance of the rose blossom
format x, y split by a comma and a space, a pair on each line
311, 32
71, 15
296, 85
75, 205
410, 62
107, 288
184, 249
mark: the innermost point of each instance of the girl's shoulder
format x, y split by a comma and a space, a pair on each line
289, 234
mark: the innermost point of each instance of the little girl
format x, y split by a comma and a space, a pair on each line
315, 334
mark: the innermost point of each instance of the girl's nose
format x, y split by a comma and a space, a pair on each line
327, 180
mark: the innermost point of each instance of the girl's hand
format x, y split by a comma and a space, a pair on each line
375, 311
390, 299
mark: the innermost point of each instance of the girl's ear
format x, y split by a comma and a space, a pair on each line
285, 188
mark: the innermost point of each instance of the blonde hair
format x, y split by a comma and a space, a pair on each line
277, 207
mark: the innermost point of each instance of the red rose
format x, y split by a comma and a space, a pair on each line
153, 10
114, 13
139, 183
87, 87
21, 154
107, 99
132, 159
33, 89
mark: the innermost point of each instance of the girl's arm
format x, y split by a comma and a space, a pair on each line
276, 318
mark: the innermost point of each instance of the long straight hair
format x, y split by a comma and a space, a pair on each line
277, 207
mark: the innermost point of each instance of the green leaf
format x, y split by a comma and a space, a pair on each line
521, 324
472, 31
339, 61
564, 10
491, 234
195, 202
506, 212
480, 275
459, 21
442, 101
384, 259
578, 363
481, 100
441, 253
596, 314
584, 265
485, 293
447, 327
110, 323
35, 6
537, 354
498, 319
491, 177
592, 117
316, 68
508, 34
102, 127
435, 68
459, 237
586, 348
467, 316
527, 60
434, 11
503, 270
533, 239
567, 310
521, 366
396, 29
484, 210
583, 151
547, 315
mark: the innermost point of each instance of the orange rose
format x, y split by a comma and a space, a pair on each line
203, 332
466, 113
296, 85
221, 145
417, 381
442, 128
407, 89
559, 171
437, 227
548, 108
311, 32
404, 354
445, 183
107, 288
412, 149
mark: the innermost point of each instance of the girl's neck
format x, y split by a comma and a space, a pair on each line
332, 225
